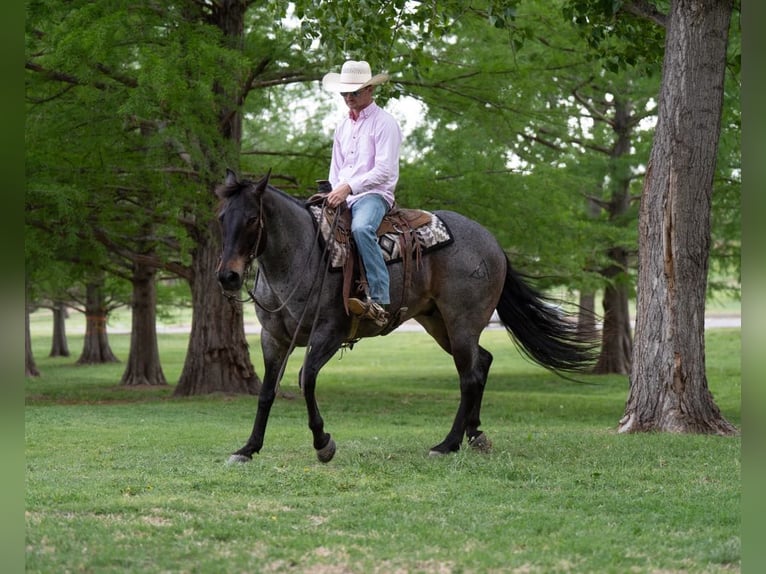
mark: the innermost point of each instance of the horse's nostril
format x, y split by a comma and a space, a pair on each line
229, 280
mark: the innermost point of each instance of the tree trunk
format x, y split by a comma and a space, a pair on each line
30, 368
59, 345
616, 338
668, 384
96, 347
218, 358
586, 318
143, 364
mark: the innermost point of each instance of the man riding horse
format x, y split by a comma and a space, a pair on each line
363, 173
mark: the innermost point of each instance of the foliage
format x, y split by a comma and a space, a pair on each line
620, 33
125, 102
627, 35
560, 492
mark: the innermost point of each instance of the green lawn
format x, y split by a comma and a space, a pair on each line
134, 480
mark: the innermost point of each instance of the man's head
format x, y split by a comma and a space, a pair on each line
355, 83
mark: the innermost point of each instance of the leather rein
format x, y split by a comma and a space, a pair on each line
251, 292
253, 254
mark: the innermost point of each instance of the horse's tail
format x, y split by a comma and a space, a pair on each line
543, 331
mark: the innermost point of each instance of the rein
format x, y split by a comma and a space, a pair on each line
283, 304
252, 255
251, 292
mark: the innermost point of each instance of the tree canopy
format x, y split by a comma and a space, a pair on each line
535, 118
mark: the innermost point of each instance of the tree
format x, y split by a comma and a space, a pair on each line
136, 109
668, 383
572, 128
143, 366
96, 308
30, 366
59, 343
133, 116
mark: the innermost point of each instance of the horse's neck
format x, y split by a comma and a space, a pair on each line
291, 249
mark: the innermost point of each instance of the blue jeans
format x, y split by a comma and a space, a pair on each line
366, 215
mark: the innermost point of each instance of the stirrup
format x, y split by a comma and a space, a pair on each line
369, 309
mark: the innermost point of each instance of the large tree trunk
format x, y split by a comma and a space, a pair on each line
668, 385
218, 358
95, 349
59, 345
143, 364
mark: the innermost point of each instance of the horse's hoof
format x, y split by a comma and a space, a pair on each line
480, 442
444, 448
238, 459
326, 453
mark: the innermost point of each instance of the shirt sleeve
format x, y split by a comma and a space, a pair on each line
336, 160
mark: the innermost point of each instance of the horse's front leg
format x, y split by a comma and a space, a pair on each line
274, 355
316, 358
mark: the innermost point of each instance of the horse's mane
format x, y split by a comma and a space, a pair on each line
227, 191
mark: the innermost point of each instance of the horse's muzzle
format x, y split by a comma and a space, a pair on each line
230, 280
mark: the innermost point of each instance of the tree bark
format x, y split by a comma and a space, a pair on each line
586, 318
59, 344
96, 349
218, 358
668, 385
143, 364
616, 337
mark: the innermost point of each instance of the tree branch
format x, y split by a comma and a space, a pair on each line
647, 10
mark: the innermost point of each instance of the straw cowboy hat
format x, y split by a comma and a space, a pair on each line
353, 76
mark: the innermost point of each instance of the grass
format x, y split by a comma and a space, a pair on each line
129, 480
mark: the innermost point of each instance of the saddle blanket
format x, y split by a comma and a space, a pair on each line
428, 237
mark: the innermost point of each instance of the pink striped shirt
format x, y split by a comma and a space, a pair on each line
365, 154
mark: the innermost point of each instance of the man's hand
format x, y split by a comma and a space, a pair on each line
338, 195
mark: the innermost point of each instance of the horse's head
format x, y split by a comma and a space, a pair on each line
240, 218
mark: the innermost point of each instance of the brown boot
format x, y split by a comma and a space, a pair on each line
369, 309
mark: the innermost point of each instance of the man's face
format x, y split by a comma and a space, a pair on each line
358, 100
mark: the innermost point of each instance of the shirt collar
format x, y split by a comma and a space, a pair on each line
365, 113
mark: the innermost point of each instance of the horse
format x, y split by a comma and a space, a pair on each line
452, 292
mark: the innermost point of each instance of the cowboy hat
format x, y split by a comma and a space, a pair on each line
353, 76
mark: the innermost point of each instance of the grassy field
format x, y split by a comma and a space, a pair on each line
134, 480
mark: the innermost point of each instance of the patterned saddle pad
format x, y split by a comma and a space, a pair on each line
426, 237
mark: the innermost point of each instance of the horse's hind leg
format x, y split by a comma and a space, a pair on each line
472, 362
476, 438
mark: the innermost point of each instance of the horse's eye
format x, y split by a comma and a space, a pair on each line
252, 221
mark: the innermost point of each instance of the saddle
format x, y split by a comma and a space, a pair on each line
403, 235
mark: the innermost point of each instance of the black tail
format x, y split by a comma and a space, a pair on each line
542, 330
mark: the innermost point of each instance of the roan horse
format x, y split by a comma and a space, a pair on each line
452, 293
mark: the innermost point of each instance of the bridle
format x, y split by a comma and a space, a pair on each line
248, 264
254, 252
321, 270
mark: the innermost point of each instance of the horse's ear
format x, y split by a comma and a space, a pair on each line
231, 177
263, 183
